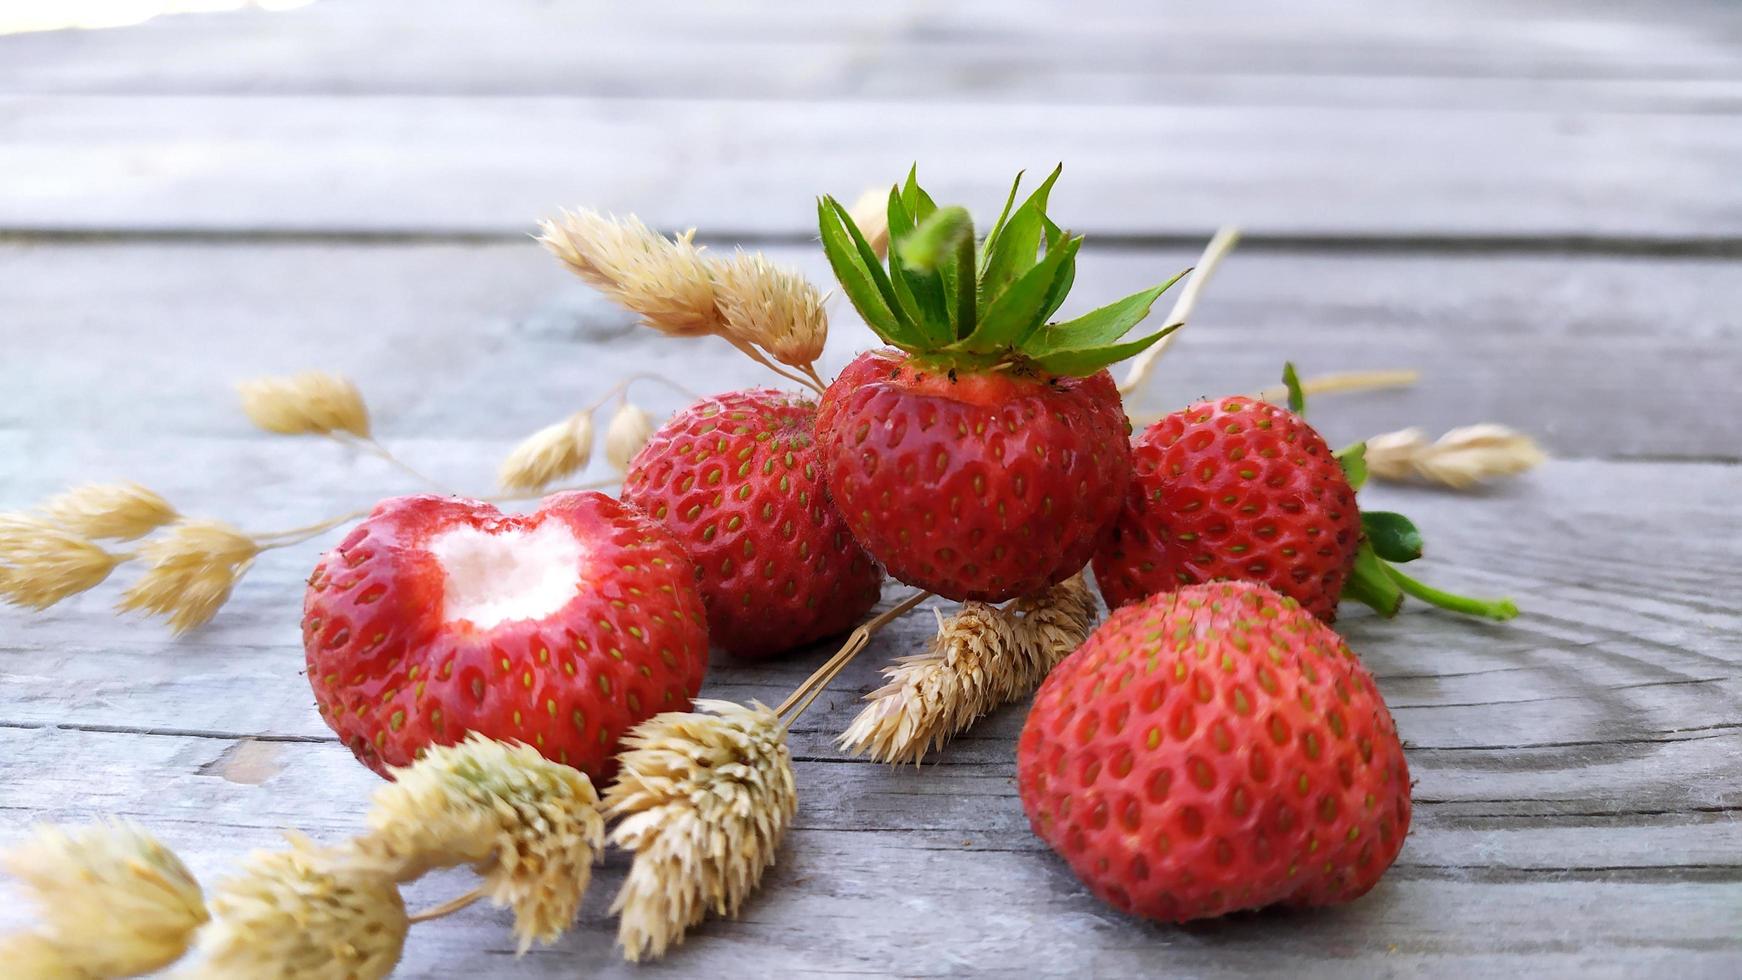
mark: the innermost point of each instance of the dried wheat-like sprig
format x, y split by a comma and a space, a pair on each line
703, 800
871, 213
629, 430
311, 403
532, 828
1220, 244
122, 511
40, 564
191, 571
553, 452
773, 308
981, 658
113, 901
302, 914
666, 281
1461, 458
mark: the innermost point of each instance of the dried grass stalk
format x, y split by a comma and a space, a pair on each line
551, 453
41, 564
532, 828
629, 430
311, 403
666, 281
113, 902
773, 308
122, 511
191, 571
1461, 458
703, 800
302, 914
982, 657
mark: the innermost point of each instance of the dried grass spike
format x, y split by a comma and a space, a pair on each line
531, 826
191, 572
703, 799
629, 430
303, 914
1460, 459
871, 213
982, 657
41, 564
114, 902
122, 511
772, 308
551, 453
311, 403
666, 281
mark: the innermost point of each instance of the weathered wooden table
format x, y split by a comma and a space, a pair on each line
1538, 204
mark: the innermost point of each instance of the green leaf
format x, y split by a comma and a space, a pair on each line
1004, 215
914, 198
1393, 536
944, 243
1370, 584
1021, 309
1354, 461
862, 277
1078, 362
1098, 327
1017, 247
1291, 380
921, 292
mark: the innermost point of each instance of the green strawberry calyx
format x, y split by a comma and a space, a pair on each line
962, 303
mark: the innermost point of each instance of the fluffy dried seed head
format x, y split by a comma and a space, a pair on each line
982, 657
532, 828
190, 572
311, 403
123, 511
41, 564
551, 453
773, 308
113, 902
666, 281
871, 213
1461, 458
703, 800
629, 430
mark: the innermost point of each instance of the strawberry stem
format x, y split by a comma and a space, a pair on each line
1497, 609
1370, 585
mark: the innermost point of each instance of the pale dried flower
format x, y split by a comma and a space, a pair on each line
871, 213
302, 914
703, 800
191, 571
113, 901
40, 564
122, 511
311, 403
770, 307
1461, 458
551, 453
666, 281
629, 430
532, 828
982, 657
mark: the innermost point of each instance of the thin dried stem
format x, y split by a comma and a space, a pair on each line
1220, 245
1344, 381
450, 906
801, 697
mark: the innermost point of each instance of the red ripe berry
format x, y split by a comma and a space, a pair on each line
736, 479
1215, 749
974, 485
1233, 489
562, 628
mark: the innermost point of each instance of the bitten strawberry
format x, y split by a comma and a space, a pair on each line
1214, 749
561, 628
736, 479
985, 457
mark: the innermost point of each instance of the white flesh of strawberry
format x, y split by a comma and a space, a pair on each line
515, 574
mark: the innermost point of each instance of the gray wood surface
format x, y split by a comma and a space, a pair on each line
1534, 203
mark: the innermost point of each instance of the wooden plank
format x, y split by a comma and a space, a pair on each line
1470, 54
492, 165
1599, 357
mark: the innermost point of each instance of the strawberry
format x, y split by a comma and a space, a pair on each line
1215, 749
987, 455
562, 628
736, 479
1237, 488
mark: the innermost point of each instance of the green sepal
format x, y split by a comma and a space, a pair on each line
1394, 537
1353, 459
1291, 381
1004, 215
914, 198
862, 277
1080, 362
921, 291
1100, 327
1017, 246
1371, 585
1021, 309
